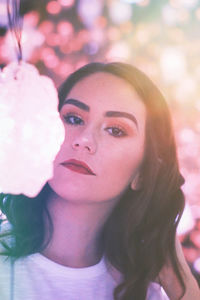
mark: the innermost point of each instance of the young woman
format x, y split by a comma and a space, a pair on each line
104, 226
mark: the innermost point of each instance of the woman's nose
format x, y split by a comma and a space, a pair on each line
85, 142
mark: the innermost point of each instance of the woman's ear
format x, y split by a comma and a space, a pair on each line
136, 182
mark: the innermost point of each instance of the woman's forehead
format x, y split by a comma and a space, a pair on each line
104, 94
105, 87
101, 78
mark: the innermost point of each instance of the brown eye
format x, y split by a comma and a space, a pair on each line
116, 132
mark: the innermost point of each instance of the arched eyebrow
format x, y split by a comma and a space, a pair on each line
77, 103
120, 114
110, 114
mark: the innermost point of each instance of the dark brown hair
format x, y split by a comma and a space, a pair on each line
139, 236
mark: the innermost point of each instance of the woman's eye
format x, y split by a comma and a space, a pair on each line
116, 132
73, 120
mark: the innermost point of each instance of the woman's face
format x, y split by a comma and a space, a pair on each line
103, 149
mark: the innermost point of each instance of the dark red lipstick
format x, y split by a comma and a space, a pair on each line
77, 166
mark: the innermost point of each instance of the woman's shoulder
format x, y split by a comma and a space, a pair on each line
5, 262
5, 238
155, 291
5, 226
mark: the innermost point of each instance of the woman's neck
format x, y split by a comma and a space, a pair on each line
76, 239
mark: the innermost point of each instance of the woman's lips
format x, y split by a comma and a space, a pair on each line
77, 166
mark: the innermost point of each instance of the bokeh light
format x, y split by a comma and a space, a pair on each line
53, 7
66, 3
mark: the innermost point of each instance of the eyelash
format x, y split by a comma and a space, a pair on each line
70, 115
120, 131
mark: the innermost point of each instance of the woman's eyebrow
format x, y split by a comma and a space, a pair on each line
118, 114
121, 114
77, 103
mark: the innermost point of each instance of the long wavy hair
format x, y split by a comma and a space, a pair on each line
139, 235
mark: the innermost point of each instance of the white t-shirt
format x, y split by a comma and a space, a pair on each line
38, 278
35, 277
